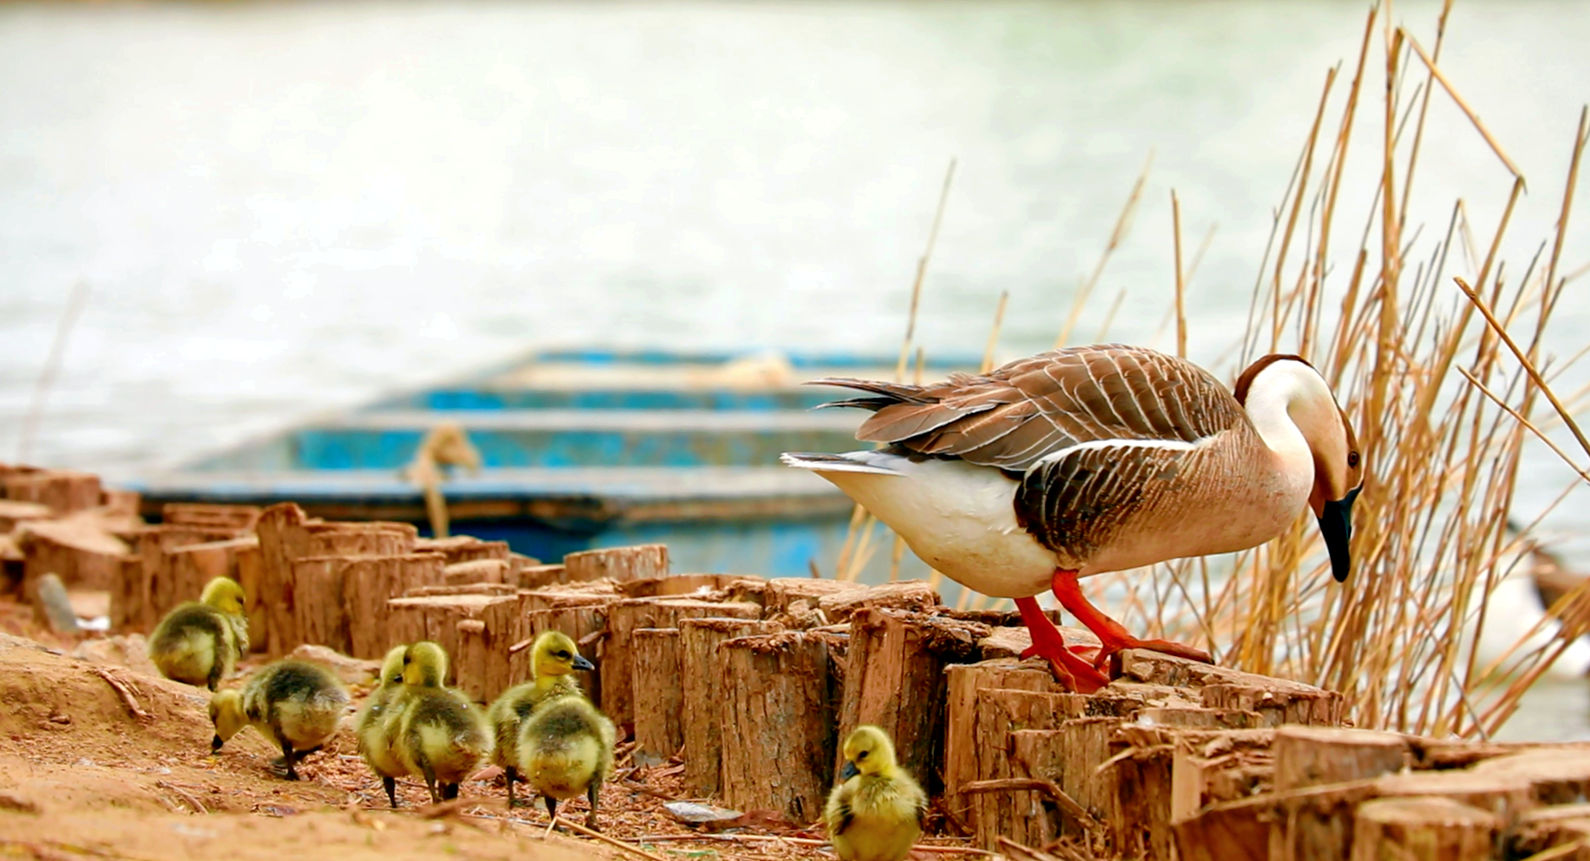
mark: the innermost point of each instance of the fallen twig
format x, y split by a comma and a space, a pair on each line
1047, 787
198, 806
125, 690
611, 841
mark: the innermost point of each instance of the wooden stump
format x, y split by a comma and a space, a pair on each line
139, 601
463, 548
476, 631
624, 617
1554, 828
778, 697
618, 563
782, 594
1313, 756
914, 595
250, 567
204, 515
62, 490
682, 586
1422, 829
192, 565
369, 583
894, 679
82, 555
476, 571
286, 534
1276, 701
702, 714
13, 513
659, 689
538, 576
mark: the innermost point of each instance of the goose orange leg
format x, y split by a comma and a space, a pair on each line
1075, 672
1110, 632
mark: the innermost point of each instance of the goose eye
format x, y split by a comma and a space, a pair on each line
1352, 460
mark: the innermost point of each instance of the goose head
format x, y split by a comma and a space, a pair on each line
424, 664
1289, 385
868, 751
224, 594
554, 654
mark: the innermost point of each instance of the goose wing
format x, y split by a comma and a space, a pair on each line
1015, 415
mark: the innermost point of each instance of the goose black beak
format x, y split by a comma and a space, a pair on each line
1336, 524
215, 744
850, 770
580, 663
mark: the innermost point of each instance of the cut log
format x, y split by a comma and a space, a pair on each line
81, 554
1555, 776
1554, 828
986, 701
475, 630
1231, 831
1312, 756
782, 593
703, 586
894, 679
118, 504
618, 563
369, 583
914, 595
193, 565
1213, 767
14, 512
538, 576
204, 515
658, 691
476, 571
1276, 701
702, 690
62, 490
1077, 799
250, 566
624, 617
778, 711
1423, 829
1509, 797
138, 602
463, 548
286, 534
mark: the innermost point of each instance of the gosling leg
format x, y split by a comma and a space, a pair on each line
287, 757
449, 791
552, 812
213, 681
512, 774
430, 782
390, 785
591, 792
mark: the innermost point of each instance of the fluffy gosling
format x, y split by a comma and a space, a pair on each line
377, 723
875, 811
296, 705
566, 748
553, 660
441, 735
200, 642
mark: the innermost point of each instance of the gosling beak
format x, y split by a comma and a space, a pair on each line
850, 770
1336, 524
580, 663
215, 743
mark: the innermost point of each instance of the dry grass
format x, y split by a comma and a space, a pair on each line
1442, 381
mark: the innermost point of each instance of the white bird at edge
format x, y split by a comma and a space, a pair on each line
1085, 460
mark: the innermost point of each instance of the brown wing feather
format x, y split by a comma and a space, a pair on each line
1075, 503
1017, 413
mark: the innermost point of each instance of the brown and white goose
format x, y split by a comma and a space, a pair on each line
1091, 459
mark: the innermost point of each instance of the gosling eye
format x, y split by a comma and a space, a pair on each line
1352, 460
561, 653
861, 756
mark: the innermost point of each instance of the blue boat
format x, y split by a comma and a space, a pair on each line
583, 449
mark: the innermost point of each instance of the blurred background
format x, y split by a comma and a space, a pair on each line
277, 210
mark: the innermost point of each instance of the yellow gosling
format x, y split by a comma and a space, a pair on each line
200, 642
377, 722
566, 748
875, 811
441, 735
553, 660
296, 705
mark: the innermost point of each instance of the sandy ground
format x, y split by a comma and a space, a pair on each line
102, 758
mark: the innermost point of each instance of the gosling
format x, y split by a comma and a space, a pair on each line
296, 705
875, 811
553, 659
200, 642
377, 722
441, 735
566, 748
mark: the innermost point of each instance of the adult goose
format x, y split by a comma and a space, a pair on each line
1091, 459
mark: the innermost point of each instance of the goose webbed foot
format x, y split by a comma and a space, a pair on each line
1110, 632
1070, 668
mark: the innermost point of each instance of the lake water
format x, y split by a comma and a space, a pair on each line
285, 208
